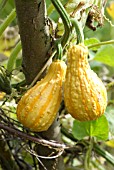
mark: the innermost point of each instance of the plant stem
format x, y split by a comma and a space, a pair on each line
13, 56
79, 32
59, 51
66, 21
88, 155
104, 154
101, 43
96, 148
7, 21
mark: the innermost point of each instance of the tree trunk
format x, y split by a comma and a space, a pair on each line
34, 33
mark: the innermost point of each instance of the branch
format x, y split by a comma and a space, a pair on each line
25, 136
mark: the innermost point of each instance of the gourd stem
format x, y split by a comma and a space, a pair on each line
79, 32
66, 20
59, 51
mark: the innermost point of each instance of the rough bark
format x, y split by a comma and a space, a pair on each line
35, 46
34, 35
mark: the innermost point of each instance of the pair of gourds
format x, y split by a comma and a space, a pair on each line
85, 95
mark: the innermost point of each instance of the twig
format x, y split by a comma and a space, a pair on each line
33, 158
42, 70
46, 157
41, 163
33, 139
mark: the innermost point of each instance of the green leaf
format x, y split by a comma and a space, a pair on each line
96, 128
105, 55
92, 41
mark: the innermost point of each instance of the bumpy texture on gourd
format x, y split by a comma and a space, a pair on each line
38, 107
84, 93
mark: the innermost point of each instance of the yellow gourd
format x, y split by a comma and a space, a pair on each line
38, 107
85, 95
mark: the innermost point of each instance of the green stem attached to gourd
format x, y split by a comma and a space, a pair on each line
66, 20
68, 23
79, 31
59, 51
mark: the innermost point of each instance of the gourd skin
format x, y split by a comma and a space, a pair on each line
38, 107
85, 95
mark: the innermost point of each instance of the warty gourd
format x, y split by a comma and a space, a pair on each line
38, 107
85, 95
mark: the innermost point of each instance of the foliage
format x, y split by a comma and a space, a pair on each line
96, 128
83, 138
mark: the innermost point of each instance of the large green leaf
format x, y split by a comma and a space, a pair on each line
96, 128
106, 55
